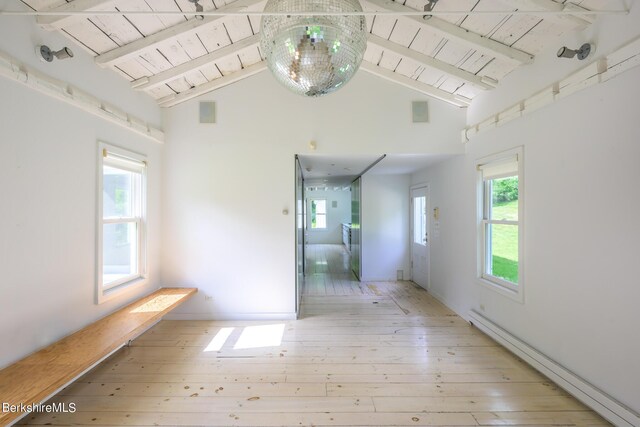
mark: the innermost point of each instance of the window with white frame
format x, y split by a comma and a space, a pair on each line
121, 249
500, 222
318, 214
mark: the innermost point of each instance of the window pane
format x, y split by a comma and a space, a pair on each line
504, 199
503, 251
321, 221
321, 206
120, 251
318, 214
419, 220
118, 192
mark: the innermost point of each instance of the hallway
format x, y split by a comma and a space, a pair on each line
329, 272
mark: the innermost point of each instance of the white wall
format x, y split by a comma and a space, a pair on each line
335, 216
581, 234
581, 203
451, 188
48, 166
226, 184
385, 227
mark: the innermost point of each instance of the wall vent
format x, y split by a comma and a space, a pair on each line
419, 112
207, 112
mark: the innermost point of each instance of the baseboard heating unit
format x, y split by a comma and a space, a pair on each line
596, 399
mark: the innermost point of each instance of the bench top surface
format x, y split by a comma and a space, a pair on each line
37, 376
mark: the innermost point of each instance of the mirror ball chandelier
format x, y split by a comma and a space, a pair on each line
313, 55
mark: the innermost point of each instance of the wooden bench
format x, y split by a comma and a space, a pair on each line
42, 374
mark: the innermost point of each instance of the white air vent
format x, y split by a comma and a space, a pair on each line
207, 112
419, 111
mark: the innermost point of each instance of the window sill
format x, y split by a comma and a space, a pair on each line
125, 288
517, 296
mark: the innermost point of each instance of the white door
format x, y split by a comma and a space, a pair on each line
420, 236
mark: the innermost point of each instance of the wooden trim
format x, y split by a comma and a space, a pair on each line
457, 34
598, 71
24, 414
34, 378
577, 22
12, 69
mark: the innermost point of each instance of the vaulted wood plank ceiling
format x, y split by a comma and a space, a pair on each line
451, 57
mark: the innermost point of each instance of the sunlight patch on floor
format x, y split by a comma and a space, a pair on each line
218, 341
159, 303
260, 336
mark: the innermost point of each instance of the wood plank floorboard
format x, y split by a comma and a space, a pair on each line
362, 354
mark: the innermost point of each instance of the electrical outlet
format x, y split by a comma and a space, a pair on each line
208, 298
482, 307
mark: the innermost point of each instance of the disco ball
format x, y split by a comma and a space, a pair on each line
313, 55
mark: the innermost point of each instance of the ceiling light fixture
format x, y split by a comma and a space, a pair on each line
429, 8
582, 53
199, 8
46, 54
313, 55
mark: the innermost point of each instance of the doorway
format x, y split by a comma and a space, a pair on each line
420, 235
328, 247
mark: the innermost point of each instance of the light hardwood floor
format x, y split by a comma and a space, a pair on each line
366, 354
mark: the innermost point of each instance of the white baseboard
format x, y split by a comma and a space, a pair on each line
593, 397
230, 316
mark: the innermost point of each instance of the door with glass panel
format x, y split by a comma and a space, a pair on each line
356, 227
420, 236
300, 229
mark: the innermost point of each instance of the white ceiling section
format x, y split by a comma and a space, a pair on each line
450, 57
329, 171
325, 170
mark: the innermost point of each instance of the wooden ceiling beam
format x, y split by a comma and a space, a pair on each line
152, 41
430, 62
249, 71
577, 21
457, 100
152, 82
457, 34
55, 22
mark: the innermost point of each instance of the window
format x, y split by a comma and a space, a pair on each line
318, 214
420, 220
121, 250
500, 222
